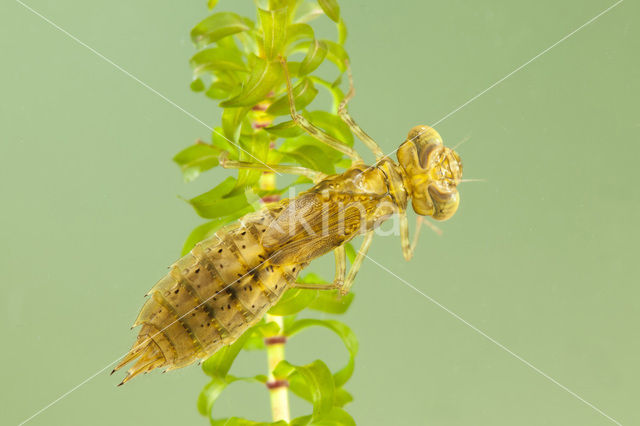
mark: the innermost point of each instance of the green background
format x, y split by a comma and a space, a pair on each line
543, 256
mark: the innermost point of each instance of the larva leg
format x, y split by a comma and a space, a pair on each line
409, 246
313, 286
341, 264
342, 112
341, 269
278, 168
314, 131
362, 253
348, 282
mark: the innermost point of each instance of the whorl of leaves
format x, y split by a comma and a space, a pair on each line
237, 64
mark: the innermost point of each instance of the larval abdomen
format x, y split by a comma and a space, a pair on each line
209, 298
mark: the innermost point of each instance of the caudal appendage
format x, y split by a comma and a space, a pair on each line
149, 357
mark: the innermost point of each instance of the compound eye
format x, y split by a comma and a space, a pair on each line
445, 201
429, 155
424, 135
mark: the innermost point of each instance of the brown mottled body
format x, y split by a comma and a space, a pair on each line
228, 282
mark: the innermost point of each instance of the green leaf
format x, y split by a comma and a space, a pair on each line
337, 55
248, 42
219, 364
280, 4
335, 52
219, 140
345, 163
254, 343
237, 421
217, 26
229, 43
331, 9
274, 25
211, 392
335, 91
336, 417
332, 302
256, 149
222, 188
267, 329
197, 85
319, 384
215, 203
265, 75
217, 59
313, 278
304, 92
293, 301
333, 125
309, 156
342, 397
258, 332
292, 144
297, 32
348, 339
211, 4
351, 252
308, 12
232, 122
300, 421
217, 367
196, 159
219, 89
342, 32
315, 55
293, 67
286, 129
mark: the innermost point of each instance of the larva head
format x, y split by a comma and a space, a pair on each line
433, 173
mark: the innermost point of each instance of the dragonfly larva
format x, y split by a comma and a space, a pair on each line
228, 282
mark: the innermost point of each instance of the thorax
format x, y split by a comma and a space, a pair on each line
382, 180
378, 191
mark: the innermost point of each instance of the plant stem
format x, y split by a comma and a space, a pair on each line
278, 390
